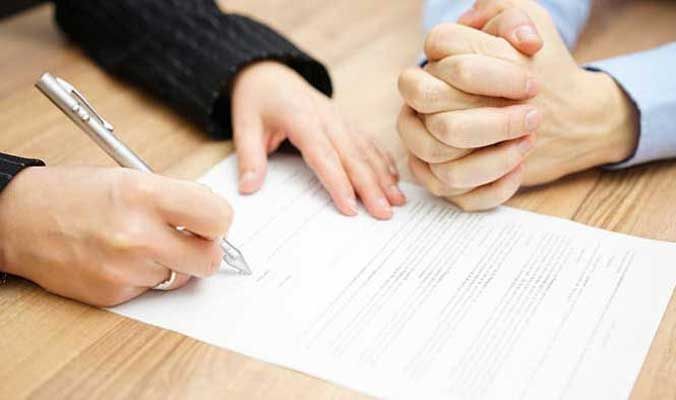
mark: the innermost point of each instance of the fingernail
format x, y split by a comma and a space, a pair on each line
352, 205
246, 178
532, 87
532, 120
384, 204
392, 170
525, 34
526, 145
394, 191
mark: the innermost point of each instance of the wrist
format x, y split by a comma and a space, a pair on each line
9, 218
617, 120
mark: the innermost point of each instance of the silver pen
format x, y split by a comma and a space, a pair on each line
83, 114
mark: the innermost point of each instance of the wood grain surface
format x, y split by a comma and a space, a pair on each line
55, 348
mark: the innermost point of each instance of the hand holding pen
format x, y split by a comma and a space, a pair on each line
107, 235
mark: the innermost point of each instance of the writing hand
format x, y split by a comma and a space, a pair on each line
105, 236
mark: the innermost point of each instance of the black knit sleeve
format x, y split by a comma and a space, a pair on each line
187, 52
10, 166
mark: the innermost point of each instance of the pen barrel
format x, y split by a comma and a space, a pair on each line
117, 150
90, 124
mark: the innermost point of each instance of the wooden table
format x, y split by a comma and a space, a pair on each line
55, 348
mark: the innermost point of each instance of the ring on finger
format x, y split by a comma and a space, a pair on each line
167, 284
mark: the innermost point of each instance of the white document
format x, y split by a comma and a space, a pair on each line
434, 304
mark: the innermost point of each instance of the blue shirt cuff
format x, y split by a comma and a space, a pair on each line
649, 80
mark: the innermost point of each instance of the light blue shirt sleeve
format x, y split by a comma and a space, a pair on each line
570, 16
649, 79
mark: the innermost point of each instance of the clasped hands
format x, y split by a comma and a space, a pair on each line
501, 103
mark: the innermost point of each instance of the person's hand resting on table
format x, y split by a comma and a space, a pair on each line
272, 103
105, 236
507, 106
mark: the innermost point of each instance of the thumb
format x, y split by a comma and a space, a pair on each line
251, 148
501, 19
516, 26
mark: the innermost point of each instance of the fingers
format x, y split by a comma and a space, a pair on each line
421, 143
483, 11
491, 195
251, 149
450, 39
428, 94
386, 174
193, 206
369, 176
468, 129
423, 174
188, 254
483, 166
319, 153
481, 180
473, 171
516, 26
486, 76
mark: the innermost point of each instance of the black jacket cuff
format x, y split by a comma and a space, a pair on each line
187, 52
10, 166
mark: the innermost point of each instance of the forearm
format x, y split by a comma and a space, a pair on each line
187, 52
570, 16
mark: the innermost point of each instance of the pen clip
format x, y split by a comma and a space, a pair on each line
84, 103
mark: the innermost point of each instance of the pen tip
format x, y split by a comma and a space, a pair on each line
234, 258
241, 266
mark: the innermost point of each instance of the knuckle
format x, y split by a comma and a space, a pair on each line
419, 94
452, 178
461, 70
505, 191
323, 154
438, 125
449, 178
133, 186
434, 152
511, 158
450, 130
437, 37
426, 150
362, 153
508, 124
132, 235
